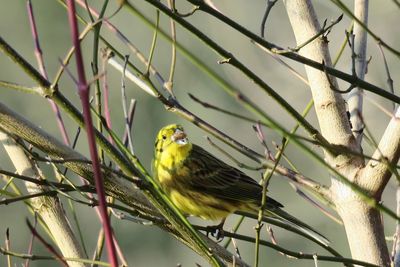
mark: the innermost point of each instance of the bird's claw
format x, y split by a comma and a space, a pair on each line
216, 231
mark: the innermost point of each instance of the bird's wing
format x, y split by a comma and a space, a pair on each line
221, 180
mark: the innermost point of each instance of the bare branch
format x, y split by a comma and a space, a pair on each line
377, 173
49, 208
355, 99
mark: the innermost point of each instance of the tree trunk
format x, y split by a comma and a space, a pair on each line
363, 225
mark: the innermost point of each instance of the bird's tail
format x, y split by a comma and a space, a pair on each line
279, 215
282, 219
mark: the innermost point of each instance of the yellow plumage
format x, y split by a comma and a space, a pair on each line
172, 167
199, 184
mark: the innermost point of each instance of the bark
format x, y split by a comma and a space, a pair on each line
115, 186
362, 223
355, 99
48, 208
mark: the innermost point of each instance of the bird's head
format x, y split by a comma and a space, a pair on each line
171, 137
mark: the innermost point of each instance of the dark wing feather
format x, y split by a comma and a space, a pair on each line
221, 180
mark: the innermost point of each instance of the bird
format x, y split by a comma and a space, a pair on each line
199, 184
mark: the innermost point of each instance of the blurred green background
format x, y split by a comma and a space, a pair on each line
147, 245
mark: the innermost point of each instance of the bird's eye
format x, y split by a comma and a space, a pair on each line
164, 137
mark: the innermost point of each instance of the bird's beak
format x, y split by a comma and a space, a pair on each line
179, 137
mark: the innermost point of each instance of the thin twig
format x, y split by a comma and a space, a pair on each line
69, 55
183, 15
8, 246
294, 56
261, 138
42, 68
131, 114
228, 155
106, 55
227, 112
315, 257
396, 241
124, 108
83, 90
322, 32
396, 2
270, 5
345, 9
282, 62
41, 257
30, 247
297, 255
234, 230
47, 245
170, 83
99, 247
153, 43
265, 182
389, 77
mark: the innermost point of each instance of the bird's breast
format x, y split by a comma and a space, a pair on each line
170, 166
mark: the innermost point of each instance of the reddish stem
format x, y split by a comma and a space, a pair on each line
46, 244
39, 59
83, 89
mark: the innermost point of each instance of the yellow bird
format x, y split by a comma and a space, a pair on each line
201, 185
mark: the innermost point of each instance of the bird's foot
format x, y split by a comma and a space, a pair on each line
216, 231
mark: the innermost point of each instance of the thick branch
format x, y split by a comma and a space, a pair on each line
49, 208
329, 105
115, 186
376, 174
364, 230
355, 100
363, 225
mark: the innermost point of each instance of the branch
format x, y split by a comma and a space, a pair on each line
49, 208
362, 221
330, 106
32, 257
114, 185
84, 93
376, 174
344, 8
296, 255
294, 56
355, 99
229, 58
40, 61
